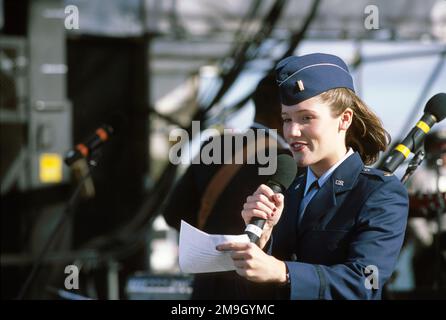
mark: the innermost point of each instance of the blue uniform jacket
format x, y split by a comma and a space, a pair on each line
355, 221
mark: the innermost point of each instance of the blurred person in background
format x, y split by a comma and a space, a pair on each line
427, 184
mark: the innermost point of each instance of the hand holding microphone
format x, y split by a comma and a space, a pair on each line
258, 212
266, 204
261, 212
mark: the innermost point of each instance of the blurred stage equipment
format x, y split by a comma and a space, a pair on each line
435, 148
35, 125
425, 205
108, 86
41, 65
35, 113
432, 206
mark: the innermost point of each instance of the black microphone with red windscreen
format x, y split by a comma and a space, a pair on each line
101, 135
278, 182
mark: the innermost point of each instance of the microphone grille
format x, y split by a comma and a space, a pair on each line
286, 171
437, 106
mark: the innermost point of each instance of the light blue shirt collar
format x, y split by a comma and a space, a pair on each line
311, 177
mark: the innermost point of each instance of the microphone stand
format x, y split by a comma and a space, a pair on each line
68, 211
413, 165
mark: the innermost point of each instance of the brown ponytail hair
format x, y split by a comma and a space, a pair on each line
366, 134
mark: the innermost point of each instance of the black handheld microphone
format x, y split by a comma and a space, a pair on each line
101, 135
434, 112
279, 182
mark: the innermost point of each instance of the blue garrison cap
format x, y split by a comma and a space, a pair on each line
303, 77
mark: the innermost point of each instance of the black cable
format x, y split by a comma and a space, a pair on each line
228, 78
297, 37
67, 213
166, 118
241, 31
294, 42
238, 45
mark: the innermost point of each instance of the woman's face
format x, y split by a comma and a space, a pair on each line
315, 136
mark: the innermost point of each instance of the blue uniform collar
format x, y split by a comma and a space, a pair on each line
323, 179
346, 174
342, 179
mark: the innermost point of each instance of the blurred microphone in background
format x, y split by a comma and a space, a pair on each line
83, 153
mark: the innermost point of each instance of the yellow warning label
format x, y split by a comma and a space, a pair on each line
50, 168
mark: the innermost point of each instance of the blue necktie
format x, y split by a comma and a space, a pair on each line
307, 198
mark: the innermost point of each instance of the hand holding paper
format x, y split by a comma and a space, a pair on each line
198, 253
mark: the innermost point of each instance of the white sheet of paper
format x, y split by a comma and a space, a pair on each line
198, 253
